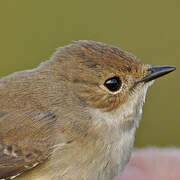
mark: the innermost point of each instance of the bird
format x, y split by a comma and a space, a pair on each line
74, 116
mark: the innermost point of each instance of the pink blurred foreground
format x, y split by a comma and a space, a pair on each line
153, 164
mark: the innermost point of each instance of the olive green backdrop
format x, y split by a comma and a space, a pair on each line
30, 31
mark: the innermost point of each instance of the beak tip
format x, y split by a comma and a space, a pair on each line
168, 68
173, 68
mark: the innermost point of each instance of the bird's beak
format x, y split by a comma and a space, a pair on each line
156, 72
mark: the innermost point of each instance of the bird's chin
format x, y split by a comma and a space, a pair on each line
149, 83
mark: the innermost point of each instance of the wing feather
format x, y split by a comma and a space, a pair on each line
20, 152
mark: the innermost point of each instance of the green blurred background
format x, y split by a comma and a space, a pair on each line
30, 31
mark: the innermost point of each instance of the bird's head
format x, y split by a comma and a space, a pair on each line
104, 76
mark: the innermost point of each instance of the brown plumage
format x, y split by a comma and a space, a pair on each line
57, 121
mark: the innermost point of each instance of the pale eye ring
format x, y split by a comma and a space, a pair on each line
113, 84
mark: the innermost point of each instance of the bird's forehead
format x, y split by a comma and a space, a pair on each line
89, 59
101, 57
108, 66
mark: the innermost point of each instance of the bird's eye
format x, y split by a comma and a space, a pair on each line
113, 84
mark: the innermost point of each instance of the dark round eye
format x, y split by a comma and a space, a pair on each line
113, 84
